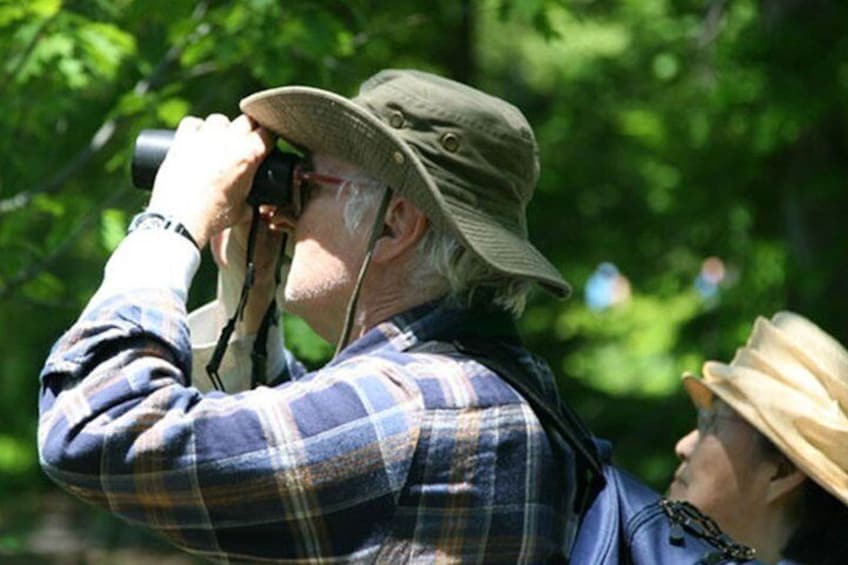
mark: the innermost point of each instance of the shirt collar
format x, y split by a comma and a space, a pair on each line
439, 320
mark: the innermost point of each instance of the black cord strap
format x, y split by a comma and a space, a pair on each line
228, 329
259, 355
376, 231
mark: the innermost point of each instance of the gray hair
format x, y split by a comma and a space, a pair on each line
444, 263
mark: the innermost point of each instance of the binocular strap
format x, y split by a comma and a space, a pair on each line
259, 354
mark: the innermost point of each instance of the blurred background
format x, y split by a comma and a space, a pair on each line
694, 159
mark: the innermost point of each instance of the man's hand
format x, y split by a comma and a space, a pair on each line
205, 179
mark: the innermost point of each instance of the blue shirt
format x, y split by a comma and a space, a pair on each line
384, 454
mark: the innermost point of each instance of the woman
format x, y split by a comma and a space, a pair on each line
769, 458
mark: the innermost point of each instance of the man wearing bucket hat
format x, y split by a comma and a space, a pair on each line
409, 445
768, 460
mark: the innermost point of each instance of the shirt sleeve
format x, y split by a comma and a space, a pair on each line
149, 259
286, 471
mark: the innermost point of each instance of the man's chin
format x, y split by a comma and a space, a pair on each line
314, 313
298, 302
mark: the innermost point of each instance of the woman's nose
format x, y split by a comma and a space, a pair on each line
684, 446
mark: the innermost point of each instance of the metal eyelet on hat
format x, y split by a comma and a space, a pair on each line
450, 141
396, 119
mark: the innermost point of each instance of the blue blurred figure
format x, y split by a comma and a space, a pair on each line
712, 275
606, 287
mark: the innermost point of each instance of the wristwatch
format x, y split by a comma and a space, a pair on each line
157, 221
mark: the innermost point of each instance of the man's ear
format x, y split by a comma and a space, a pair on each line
785, 479
404, 226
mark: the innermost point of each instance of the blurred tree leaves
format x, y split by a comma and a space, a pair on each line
669, 132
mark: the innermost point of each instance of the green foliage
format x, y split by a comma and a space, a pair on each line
16, 456
113, 227
629, 349
669, 132
306, 345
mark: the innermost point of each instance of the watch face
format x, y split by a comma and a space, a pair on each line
154, 220
149, 222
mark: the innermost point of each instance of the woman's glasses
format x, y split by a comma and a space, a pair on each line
708, 419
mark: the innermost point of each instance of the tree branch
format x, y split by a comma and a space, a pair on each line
712, 23
107, 129
99, 140
31, 271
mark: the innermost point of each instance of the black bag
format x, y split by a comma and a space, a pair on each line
623, 521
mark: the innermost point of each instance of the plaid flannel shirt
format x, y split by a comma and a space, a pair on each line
384, 455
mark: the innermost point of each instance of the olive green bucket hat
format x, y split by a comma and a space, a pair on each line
468, 160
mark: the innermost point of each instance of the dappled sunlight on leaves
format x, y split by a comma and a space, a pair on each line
16, 456
669, 133
113, 228
628, 349
172, 110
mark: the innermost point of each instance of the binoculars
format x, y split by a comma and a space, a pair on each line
271, 185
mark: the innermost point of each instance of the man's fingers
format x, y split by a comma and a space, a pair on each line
188, 126
243, 124
262, 140
189, 123
205, 179
280, 222
216, 122
266, 135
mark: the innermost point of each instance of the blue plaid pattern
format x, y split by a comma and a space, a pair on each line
384, 455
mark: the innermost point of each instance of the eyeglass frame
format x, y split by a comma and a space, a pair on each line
301, 177
708, 418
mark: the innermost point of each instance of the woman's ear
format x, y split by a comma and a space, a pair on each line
785, 479
404, 226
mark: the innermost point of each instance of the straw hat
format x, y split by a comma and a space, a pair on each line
468, 160
790, 382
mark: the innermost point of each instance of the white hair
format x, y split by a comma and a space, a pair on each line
444, 264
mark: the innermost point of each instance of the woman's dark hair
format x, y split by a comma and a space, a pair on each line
822, 520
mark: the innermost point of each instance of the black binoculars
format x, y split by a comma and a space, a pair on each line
271, 185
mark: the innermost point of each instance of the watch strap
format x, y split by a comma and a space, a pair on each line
155, 220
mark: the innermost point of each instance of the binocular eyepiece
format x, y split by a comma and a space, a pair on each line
271, 185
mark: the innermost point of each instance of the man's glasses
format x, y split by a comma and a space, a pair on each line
306, 182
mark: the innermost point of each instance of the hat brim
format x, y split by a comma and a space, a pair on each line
321, 121
700, 394
716, 383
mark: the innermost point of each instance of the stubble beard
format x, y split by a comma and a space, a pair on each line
319, 298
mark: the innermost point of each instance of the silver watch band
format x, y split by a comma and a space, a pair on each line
155, 220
